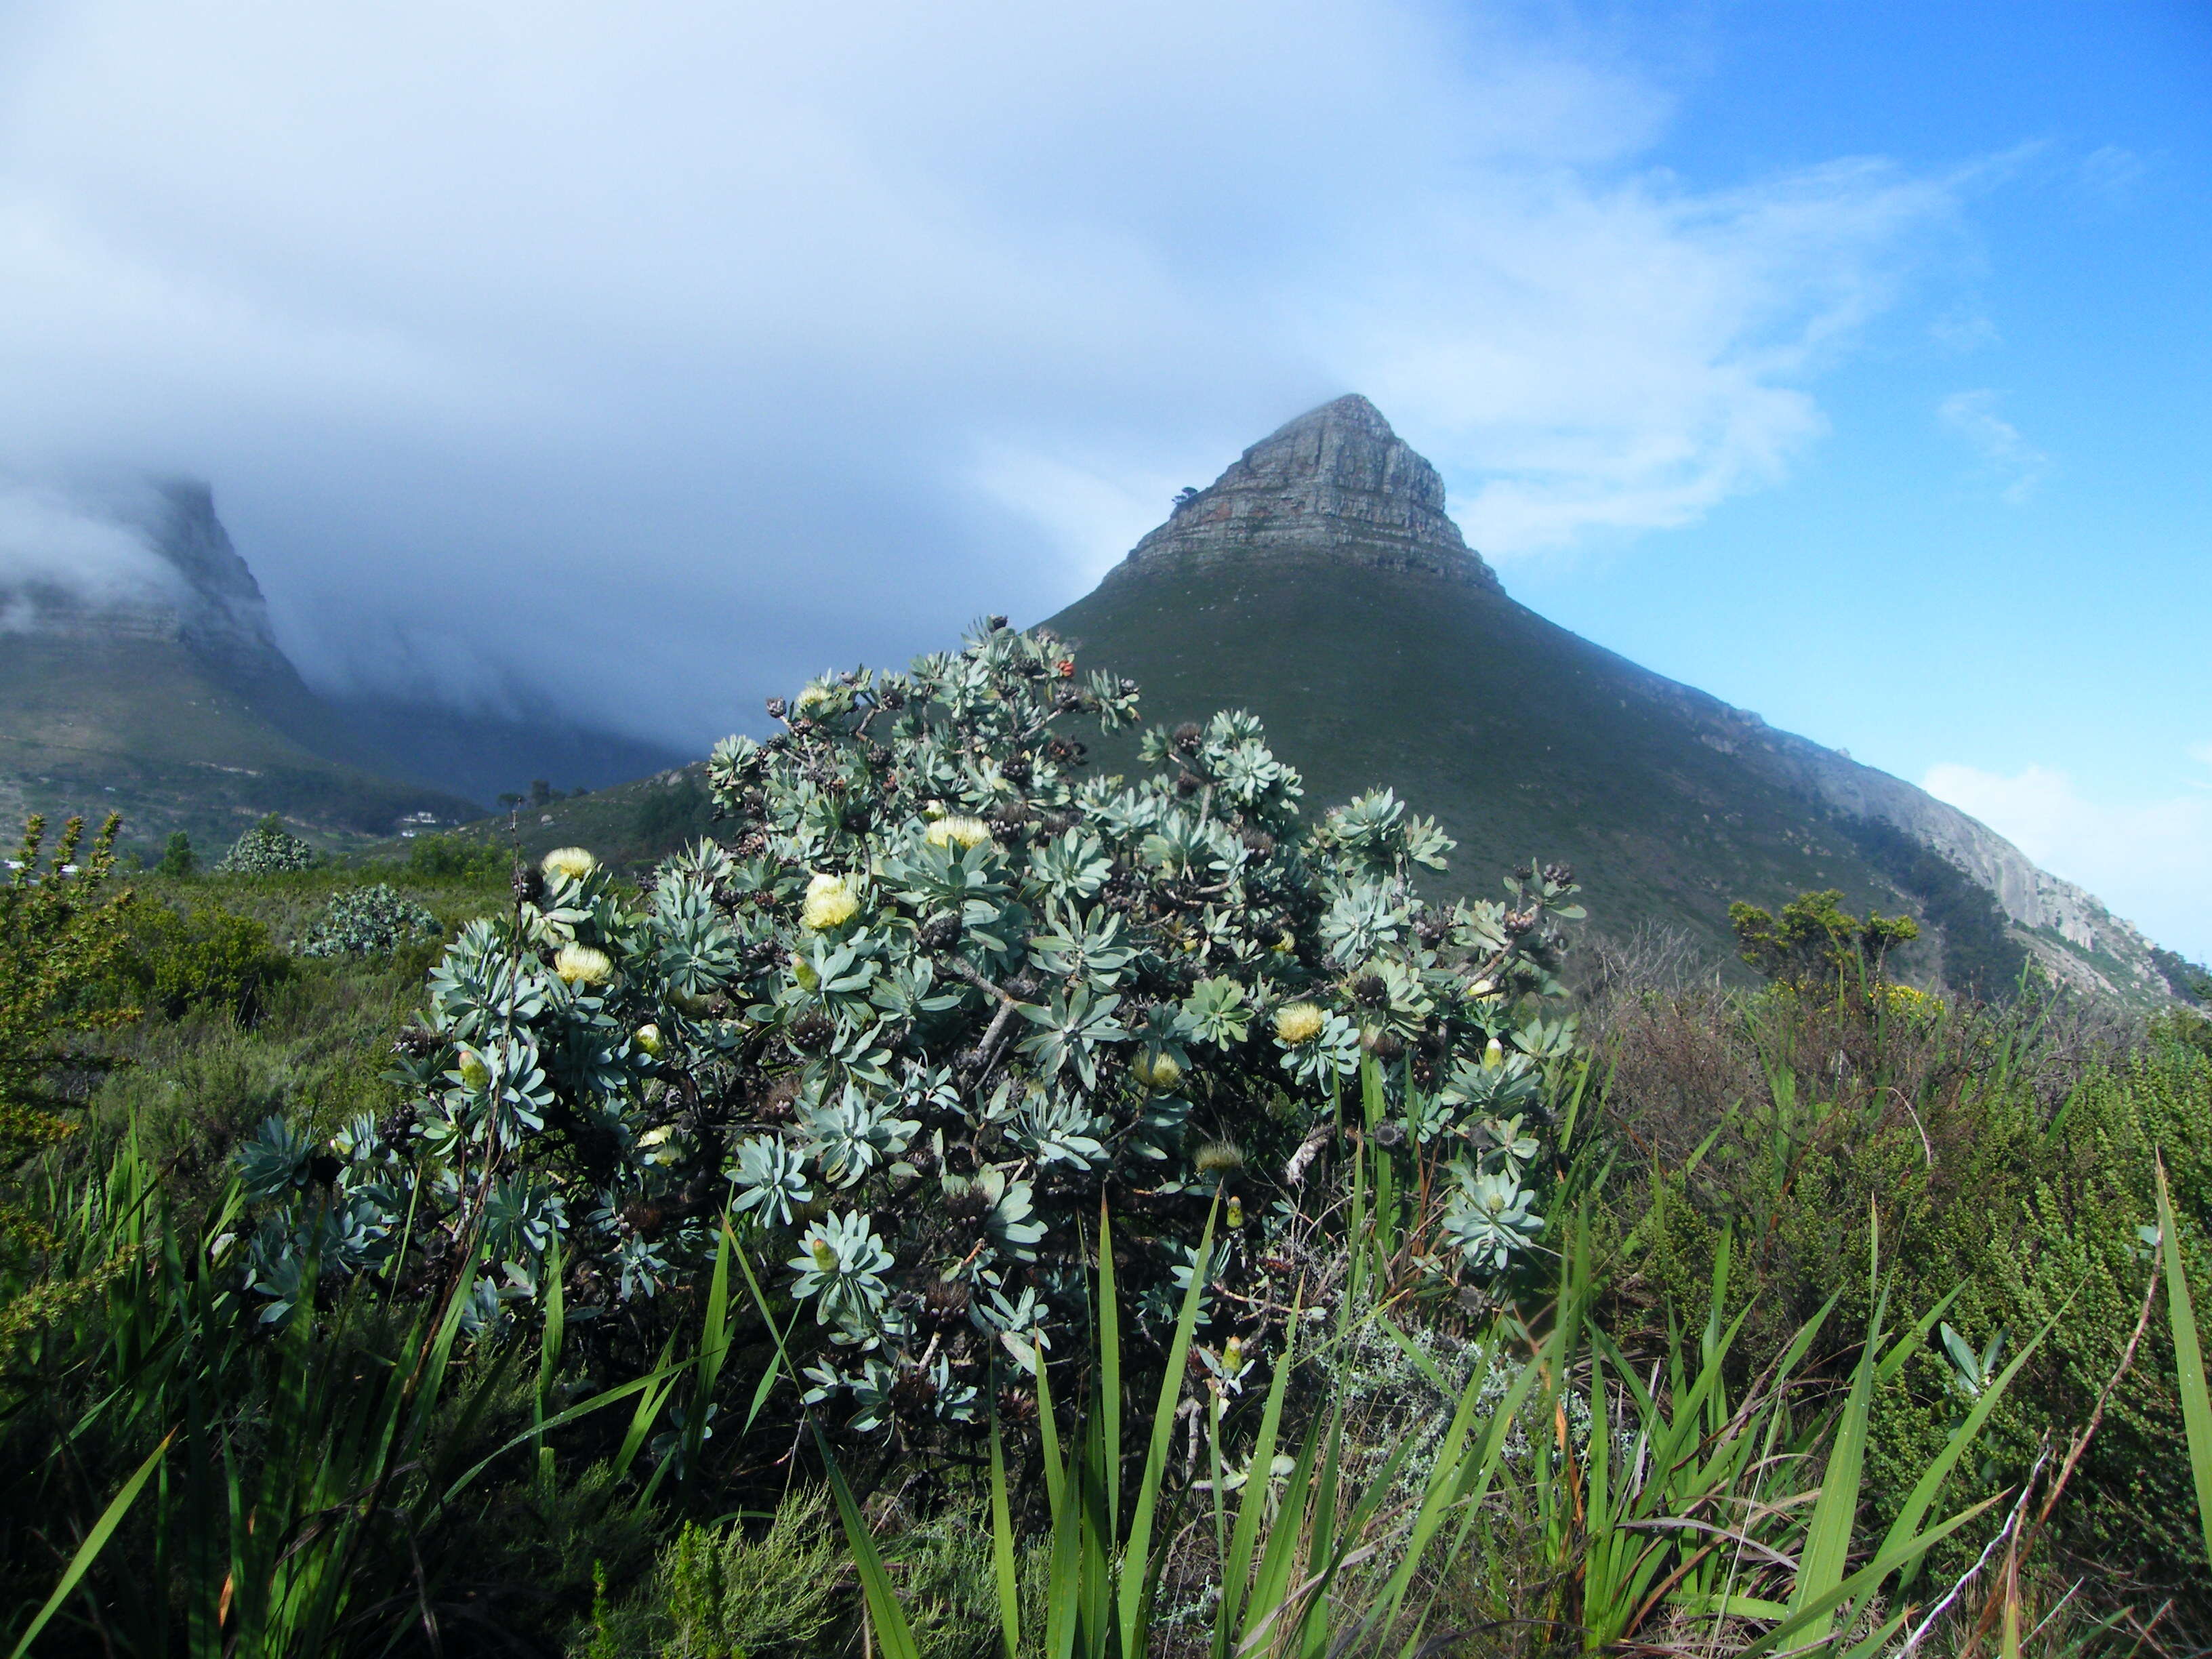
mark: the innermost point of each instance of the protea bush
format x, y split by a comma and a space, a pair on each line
935, 995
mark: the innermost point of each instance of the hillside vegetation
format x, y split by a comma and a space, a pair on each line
968, 1208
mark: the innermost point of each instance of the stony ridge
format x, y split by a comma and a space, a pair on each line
1336, 485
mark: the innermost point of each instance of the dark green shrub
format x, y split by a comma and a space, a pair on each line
178, 860
456, 858
207, 957
2029, 1199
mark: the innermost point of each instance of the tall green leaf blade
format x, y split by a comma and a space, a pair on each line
2188, 1360
1109, 1369
94, 1542
1828, 1534
892, 1632
1237, 1564
1002, 1547
1136, 1555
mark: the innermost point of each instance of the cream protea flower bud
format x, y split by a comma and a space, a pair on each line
1298, 1024
1161, 1072
572, 863
1481, 987
1235, 1213
649, 1039
831, 903
1493, 1054
1232, 1354
474, 1072
957, 831
584, 964
1217, 1158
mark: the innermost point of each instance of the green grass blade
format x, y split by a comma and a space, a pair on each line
94, 1542
1235, 1574
1828, 1534
1137, 1554
893, 1634
2188, 1360
1109, 1369
1885, 1561
1923, 1495
1055, 1469
1909, 1344
1272, 1582
1002, 1547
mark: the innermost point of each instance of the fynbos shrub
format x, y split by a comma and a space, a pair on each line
365, 921
268, 848
936, 995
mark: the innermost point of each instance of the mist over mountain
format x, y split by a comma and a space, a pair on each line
1319, 583
139, 673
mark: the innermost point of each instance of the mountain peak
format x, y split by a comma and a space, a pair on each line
1336, 486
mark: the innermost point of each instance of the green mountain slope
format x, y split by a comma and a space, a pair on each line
1319, 584
148, 728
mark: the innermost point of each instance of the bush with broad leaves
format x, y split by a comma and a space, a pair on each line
367, 921
935, 995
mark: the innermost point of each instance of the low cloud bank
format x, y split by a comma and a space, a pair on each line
653, 356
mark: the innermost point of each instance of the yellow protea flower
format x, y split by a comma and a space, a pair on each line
814, 699
1161, 1072
1298, 1024
649, 1039
572, 862
474, 1072
957, 831
831, 903
1493, 1054
584, 964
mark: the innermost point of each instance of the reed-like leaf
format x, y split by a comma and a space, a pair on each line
2188, 1360
1136, 1555
887, 1620
94, 1541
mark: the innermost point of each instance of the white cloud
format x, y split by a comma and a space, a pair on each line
550, 326
1964, 327
2151, 862
2113, 174
50, 539
2005, 453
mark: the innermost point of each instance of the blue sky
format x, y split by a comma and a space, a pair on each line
1993, 574
1845, 360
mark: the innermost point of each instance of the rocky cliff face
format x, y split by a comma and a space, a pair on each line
1336, 483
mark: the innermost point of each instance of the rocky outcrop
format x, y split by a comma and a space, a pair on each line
1335, 484
2067, 928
